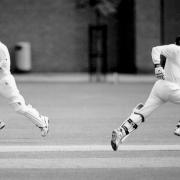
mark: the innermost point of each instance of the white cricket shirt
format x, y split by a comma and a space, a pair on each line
4, 59
172, 67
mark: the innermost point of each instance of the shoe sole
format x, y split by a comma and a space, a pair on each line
47, 122
113, 141
176, 134
1, 127
48, 126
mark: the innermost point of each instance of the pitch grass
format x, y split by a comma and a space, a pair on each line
86, 113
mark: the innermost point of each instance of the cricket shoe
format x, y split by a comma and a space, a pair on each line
45, 128
177, 129
2, 125
118, 136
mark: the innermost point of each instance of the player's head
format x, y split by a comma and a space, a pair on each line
178, 40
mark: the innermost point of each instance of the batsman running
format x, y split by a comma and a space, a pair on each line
9, 90
166, 61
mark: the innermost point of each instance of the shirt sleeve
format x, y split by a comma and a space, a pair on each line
2, 58
157, 51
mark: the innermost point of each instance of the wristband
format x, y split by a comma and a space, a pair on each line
157, 65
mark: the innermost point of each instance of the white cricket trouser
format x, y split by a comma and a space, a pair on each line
163, 91
9, 90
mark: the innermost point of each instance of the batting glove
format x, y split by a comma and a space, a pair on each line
159, 72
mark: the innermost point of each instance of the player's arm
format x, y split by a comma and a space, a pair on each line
158, 59
2, 62
3, 57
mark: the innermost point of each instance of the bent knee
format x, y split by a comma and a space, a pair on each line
18, 104
19, 107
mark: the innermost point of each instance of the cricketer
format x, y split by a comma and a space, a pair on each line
166, 60
9, 90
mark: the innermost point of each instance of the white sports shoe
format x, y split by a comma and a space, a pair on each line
118, 136
177, 130
2, 125
45, 129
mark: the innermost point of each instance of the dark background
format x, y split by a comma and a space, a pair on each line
58, 33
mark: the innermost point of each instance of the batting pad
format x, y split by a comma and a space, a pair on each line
29, 112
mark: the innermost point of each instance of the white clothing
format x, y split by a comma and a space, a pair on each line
168, 89
9, 90
172, 67
163, 91
4, 60
8, 87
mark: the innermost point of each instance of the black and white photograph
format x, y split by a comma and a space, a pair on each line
89, 89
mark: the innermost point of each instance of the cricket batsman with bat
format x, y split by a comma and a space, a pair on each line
166, 61
9, 90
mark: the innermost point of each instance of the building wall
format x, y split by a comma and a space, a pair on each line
171, 23
57, 32
148, 29
126, 37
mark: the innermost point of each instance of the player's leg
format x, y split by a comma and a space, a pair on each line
31, 113
177, 129
138, 115
9, 90
174, 97
127, 127
3, 91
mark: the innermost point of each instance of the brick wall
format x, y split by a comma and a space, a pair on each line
171, 20
57, 32
147, 32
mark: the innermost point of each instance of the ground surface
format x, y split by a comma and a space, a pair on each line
85, 114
